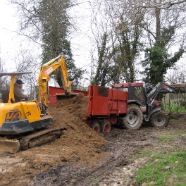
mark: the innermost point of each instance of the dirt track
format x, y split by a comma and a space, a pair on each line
80, 157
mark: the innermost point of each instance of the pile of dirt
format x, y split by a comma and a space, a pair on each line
79, 145
76, 107
83, 142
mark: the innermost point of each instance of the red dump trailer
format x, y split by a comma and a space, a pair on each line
105, 105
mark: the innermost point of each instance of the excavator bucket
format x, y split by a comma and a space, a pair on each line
64, 96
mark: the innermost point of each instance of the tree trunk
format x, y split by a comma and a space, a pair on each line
158, 25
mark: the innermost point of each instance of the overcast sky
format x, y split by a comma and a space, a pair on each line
8, 23
11, 43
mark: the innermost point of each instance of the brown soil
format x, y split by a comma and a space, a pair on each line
78, 144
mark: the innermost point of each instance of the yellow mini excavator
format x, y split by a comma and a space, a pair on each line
26, 124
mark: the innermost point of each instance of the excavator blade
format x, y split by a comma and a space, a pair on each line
9, 145
29, 141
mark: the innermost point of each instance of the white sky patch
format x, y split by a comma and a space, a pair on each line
81, 37
11, 43
8, 23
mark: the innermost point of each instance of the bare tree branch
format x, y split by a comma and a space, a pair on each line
165, 5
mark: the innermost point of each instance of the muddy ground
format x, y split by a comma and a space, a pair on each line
119, 166
82, 157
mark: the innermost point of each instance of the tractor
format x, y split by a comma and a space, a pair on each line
144, 104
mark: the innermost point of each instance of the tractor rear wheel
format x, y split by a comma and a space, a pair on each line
159, 119
95, 126
134, 117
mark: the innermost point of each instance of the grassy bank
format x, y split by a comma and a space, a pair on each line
164, 169
174, 108
167, 161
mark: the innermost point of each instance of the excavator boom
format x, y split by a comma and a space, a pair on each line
46, 70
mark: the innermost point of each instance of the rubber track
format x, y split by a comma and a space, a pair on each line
40, 137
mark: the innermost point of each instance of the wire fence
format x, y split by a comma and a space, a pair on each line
174, 103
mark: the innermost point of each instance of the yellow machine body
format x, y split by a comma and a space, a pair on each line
19, 111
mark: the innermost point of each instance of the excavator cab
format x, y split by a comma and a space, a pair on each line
7, 94
19, 117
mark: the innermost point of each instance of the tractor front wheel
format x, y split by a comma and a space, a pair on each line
134, 117
159, 119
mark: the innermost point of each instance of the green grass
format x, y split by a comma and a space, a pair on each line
174, 108
166, 139
177, 133
164, 169
143, 153
94, 181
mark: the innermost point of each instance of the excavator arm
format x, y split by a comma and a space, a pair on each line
44, 75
